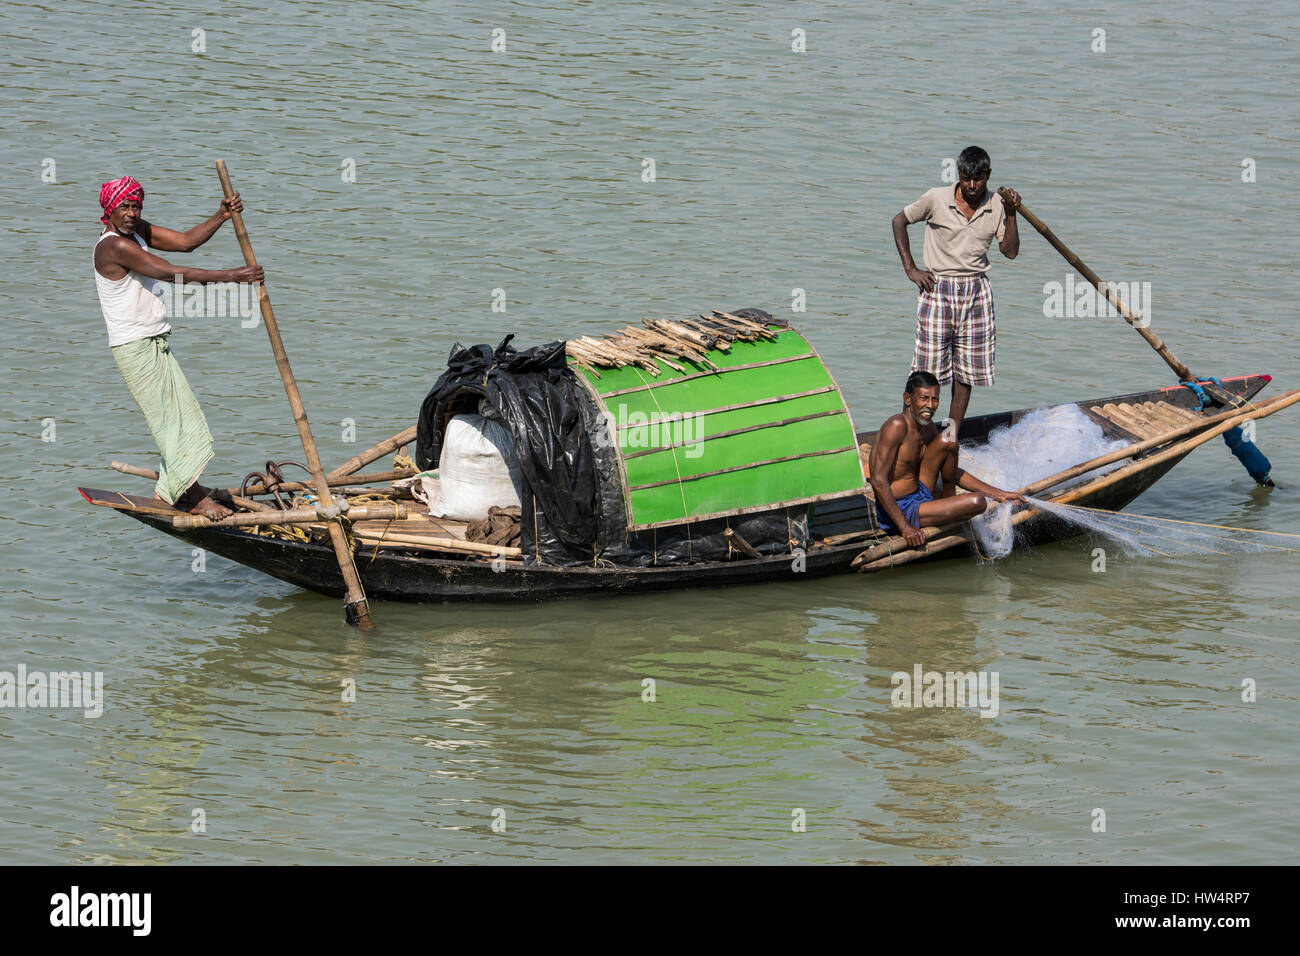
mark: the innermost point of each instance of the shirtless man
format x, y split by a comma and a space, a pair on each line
138, 333
907, 461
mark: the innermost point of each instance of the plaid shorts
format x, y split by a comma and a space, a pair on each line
955, 330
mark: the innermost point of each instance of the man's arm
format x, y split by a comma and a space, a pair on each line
924, 280
126, 255
968, 481
884, 455
1010, 241
169, 240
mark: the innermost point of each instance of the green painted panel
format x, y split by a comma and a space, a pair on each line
667, 414
818, 434
692, 428
726, 388
767, 484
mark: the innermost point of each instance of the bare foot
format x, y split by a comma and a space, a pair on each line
197, 500
210, 509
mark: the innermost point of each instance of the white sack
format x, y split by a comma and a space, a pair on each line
477, 469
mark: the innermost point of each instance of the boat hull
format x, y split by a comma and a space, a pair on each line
396, 577
390, 575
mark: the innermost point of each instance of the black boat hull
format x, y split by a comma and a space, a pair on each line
405, 575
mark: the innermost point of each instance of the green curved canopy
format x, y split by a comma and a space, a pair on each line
769, 428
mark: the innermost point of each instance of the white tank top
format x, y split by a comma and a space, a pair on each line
132, 305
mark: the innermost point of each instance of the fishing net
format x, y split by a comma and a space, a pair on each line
1145, 535
1043, 443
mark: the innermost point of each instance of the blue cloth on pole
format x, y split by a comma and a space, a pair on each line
1246, 452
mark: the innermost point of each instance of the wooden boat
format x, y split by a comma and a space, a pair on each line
431, 559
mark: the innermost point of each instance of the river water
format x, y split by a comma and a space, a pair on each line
397, 171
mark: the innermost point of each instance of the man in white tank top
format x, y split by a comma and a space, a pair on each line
138, 329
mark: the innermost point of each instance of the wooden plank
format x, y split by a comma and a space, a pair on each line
1171, 416
1123, 416
834, 510
838, 539
1139, 423
123, 502
1162, 419
435, 543
419, 524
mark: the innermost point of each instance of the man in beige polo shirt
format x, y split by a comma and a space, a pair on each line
955, 331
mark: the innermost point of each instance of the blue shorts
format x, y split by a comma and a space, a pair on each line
910, 505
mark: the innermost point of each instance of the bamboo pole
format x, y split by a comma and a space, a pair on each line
247, 503
335, 481
895, 551
391, 512
1219, 394
356, 609
136, 470
751, 325
374, 453
398, 539
341, 481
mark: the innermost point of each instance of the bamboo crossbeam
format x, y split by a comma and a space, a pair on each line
136, 470
435, 543
247, 503
373, 453
378, 512
339, 482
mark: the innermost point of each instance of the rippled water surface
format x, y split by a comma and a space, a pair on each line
522, 171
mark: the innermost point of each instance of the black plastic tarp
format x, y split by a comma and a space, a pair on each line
536, 396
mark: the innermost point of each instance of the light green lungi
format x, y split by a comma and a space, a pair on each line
159, 387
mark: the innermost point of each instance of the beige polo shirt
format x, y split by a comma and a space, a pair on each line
954, 246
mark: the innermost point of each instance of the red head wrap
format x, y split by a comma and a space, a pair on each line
113, 194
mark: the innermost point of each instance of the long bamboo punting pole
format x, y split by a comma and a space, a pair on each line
895, 551
1220, 395
356, 608
373, 454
